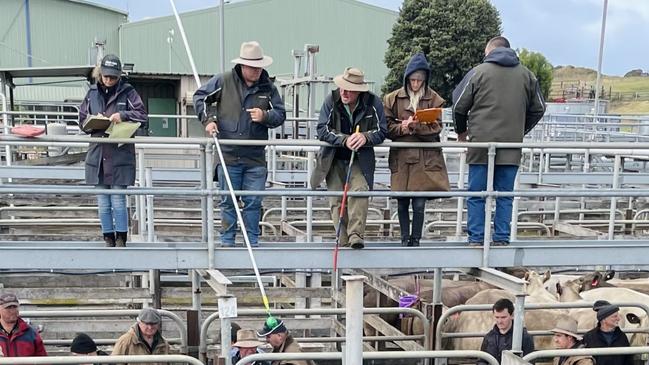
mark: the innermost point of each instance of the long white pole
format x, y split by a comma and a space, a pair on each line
187, 49
598, 83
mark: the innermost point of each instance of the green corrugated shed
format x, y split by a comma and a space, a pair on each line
62, 31
349, 33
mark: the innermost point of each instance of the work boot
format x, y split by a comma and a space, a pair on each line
109, 238
356, 241
120, 240
405, 240
414, 242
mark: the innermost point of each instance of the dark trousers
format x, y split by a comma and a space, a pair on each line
418, 206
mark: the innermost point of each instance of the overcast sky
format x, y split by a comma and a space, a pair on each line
565, 31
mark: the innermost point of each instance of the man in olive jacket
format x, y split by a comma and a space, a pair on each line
497, 101
350, 106
242, 103
144, 338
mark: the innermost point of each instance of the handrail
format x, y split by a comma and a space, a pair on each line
313, 311
532, 306
371, 356
111, 313
586, 351
122, 359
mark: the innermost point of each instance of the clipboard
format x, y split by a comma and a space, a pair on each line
428, 116
96, 122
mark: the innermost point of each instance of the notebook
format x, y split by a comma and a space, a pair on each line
428, 116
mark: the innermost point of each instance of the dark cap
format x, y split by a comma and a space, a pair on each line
83, 344
150, 316
8, 299
272, 325
605, 311
111, 66
599, 304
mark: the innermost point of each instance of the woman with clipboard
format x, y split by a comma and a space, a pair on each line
414, 169
109, 165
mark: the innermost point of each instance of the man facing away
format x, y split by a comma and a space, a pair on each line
497, 101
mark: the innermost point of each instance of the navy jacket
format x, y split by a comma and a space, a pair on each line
106, 163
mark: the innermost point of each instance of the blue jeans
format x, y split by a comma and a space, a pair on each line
113, 215
504, 176
243, 178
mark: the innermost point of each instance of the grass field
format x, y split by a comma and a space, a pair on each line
580, 77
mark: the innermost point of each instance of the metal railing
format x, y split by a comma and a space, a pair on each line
182, 329
586, 351
440, 335
169, 359
371, 356
313, 311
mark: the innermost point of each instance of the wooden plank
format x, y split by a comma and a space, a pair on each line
577, 231
385, 328
216, 280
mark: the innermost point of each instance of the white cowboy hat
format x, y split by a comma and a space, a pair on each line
252, 55
352, 79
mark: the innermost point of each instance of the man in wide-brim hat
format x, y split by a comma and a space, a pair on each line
242, 103
352, 121
247, 344
566, 337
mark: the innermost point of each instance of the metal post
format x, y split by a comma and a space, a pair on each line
354, 319
557, 214
600, 56
586, 169
437, 312
519, 315
150, 231
209, 207
141, 199
196, 291
615, 185
514, 229
491, 168
460, 200
227, 310
309, 199
204, 178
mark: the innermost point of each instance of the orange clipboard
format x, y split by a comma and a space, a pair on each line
428, 116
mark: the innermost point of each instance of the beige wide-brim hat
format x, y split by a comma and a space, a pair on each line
352, 79
247, 338
567, 326
251, 54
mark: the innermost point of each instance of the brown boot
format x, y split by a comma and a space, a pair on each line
120, 240
109, 238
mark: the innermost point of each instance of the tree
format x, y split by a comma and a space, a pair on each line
540, 66
451, 33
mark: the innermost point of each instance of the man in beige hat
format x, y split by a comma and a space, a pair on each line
566, 337
242, 103
350, 107
247, 344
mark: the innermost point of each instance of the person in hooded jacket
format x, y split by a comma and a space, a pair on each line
497, 101
110, 165
414, 169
